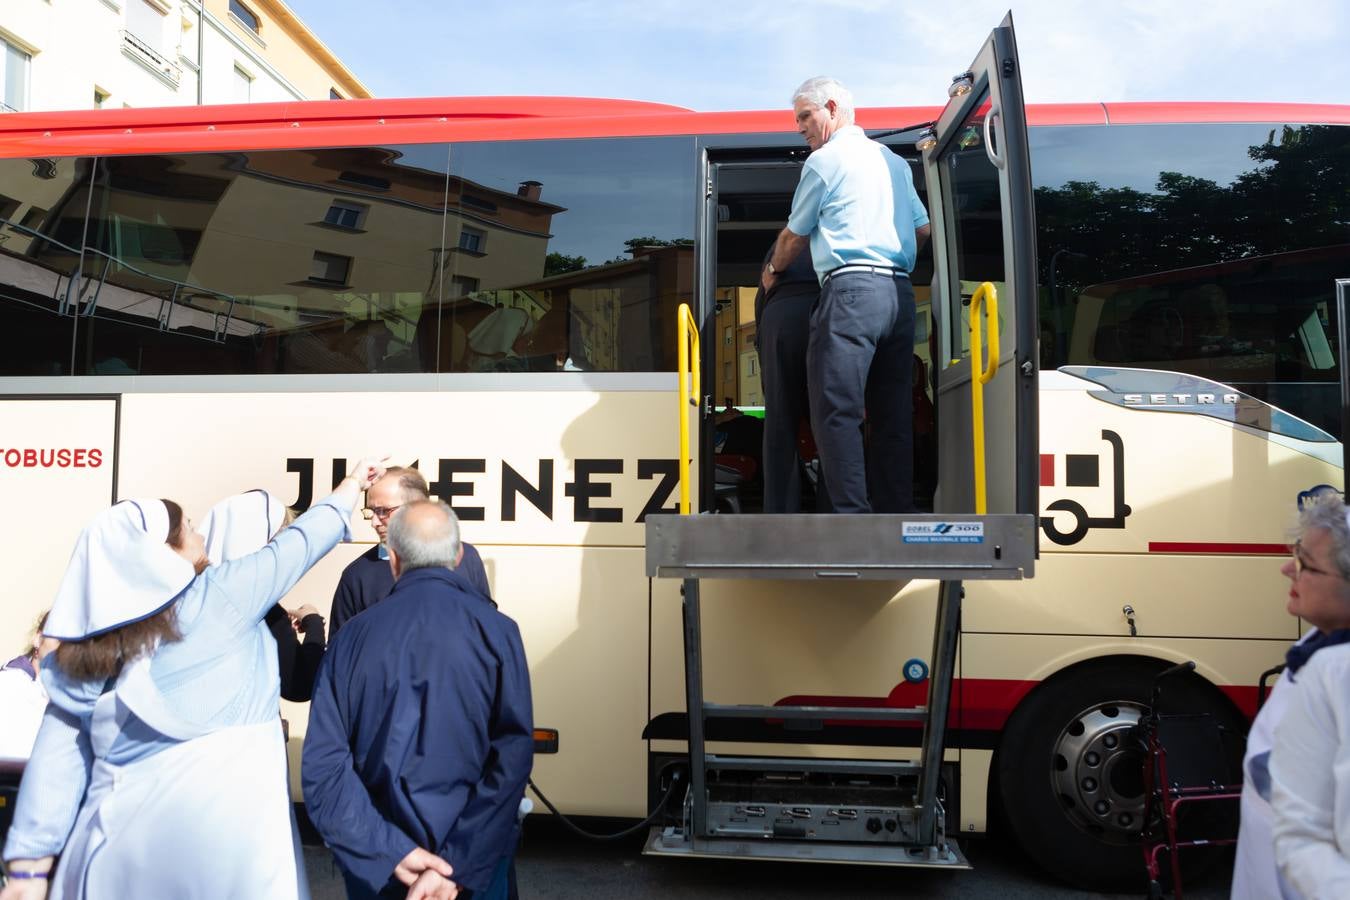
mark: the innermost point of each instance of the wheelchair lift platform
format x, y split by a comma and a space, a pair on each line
890, 811
882, 547
860, 811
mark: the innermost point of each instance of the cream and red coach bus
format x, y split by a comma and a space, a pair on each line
198, 301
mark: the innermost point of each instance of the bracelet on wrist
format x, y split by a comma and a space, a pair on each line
22, 874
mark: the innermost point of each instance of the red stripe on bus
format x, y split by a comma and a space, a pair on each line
1228, 113
982, 704
1243, 697
978, 703
1218, 548
1047, 470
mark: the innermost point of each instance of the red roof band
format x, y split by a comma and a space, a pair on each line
332, 123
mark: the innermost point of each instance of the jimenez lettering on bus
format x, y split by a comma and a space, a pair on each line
587, 489
52, 458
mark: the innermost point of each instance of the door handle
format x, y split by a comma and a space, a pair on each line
995, 158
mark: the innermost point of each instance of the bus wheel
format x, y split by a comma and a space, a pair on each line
1070, 772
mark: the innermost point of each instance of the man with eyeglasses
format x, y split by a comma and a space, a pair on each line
857, 209
368, 579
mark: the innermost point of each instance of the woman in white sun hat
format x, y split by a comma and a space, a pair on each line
159, 769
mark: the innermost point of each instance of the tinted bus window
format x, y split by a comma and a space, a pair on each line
975, 219
567, 255
42, 203
298, 261
1205, 249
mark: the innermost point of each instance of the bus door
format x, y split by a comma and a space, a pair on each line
1343, 338
978, 174
747, 203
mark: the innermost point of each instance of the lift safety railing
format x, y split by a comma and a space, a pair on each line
985, 300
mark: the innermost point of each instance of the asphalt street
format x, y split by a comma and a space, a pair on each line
555, 865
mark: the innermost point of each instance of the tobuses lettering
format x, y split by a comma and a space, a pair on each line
48, 458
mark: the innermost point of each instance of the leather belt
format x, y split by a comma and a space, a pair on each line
886, 271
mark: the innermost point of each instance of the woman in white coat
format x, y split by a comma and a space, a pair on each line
1319, 594
1310, 783
159, 769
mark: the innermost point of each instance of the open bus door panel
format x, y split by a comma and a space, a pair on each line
978, 172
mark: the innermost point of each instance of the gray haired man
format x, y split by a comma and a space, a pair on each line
857, 208
420, 734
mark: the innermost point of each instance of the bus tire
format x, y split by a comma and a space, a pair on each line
1069, 779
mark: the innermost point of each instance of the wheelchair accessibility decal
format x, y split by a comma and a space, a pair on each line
1083, 470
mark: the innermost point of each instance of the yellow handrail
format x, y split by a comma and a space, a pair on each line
985, 300
688, 329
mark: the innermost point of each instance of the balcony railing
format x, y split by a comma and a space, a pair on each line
159, 64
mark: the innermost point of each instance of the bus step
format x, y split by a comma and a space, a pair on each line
809, 766
671, 841
816, 715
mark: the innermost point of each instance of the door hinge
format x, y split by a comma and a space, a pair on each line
1007, 68
1028, 369
708, 190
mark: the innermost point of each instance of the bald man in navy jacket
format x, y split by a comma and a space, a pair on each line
420, 734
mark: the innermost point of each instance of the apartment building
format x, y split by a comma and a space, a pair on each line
88, 54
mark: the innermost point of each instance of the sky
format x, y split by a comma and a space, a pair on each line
751, 54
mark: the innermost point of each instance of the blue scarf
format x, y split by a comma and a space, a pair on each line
1300, 653
23, 664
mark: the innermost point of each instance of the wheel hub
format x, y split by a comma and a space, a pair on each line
1097, 772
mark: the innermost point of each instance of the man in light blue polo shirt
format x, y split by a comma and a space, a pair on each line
857, 207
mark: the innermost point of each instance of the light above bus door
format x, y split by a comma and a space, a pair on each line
978, 174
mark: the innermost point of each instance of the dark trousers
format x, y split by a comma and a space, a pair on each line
860, 361
784, 327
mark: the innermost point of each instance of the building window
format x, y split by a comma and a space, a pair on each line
145, 22
473, 240
100, 98
346, 215
246, 16
478, 203
366, 181
334, 95
330, 268
13, 79
243, 86
32, 219
462, 286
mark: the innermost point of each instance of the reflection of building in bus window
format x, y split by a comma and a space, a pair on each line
545, 347
615, 317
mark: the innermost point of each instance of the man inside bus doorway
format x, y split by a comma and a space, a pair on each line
367, 579
857, 208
